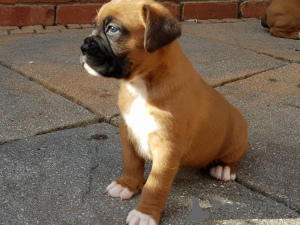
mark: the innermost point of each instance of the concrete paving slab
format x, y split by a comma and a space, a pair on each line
86, 26
34, 28
219, 63
59, 178
27, 109
58, 28
3, 32
8, 28
9, 38
248, 35
22, 31
270, 102
74, 26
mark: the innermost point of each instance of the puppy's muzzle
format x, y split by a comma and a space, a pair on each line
98, 58
93, 53
92, 48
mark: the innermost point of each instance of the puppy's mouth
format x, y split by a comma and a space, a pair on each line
86, 66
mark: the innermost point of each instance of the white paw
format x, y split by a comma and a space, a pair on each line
117, 190
222, 173
137, 218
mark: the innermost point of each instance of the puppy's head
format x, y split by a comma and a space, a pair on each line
126, 33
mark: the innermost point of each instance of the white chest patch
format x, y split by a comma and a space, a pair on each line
138, 119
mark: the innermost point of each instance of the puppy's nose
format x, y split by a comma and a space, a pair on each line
84, 48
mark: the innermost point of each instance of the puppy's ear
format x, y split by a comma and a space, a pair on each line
161, 27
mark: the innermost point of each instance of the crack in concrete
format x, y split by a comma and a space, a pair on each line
90, 179
222, 83
110, 120
283, 201
277, 57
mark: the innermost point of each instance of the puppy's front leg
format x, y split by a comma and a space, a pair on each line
134, 166
156, 190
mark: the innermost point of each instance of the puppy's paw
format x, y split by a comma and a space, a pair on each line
137, 218
222, 173
117, 190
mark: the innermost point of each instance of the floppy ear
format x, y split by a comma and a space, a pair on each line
161, 28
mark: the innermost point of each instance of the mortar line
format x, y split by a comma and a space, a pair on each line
266, 54
113, 116
275, 57
265, 194
244, 77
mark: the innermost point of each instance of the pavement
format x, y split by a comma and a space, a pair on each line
59, 140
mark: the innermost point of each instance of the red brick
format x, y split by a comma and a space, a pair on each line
76, 14
9, 1
210, 10
52, 1
26, 15
103, 1
175, 1
254, 9
173, 8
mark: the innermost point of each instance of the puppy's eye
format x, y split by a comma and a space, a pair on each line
112, 30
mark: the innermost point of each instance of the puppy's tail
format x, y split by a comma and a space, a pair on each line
264, 21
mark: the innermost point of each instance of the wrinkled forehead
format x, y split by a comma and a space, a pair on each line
128, 12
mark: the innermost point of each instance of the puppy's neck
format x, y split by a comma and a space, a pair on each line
164, 73
137, 87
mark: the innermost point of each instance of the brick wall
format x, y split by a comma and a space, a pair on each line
61, 12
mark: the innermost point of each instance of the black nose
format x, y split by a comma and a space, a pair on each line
84, 48
91, 47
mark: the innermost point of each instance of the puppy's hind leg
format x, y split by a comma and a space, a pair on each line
134, 166
225, 169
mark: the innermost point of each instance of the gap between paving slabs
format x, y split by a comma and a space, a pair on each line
242, 77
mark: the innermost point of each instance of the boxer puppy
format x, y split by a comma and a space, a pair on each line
169, 114
283, 18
